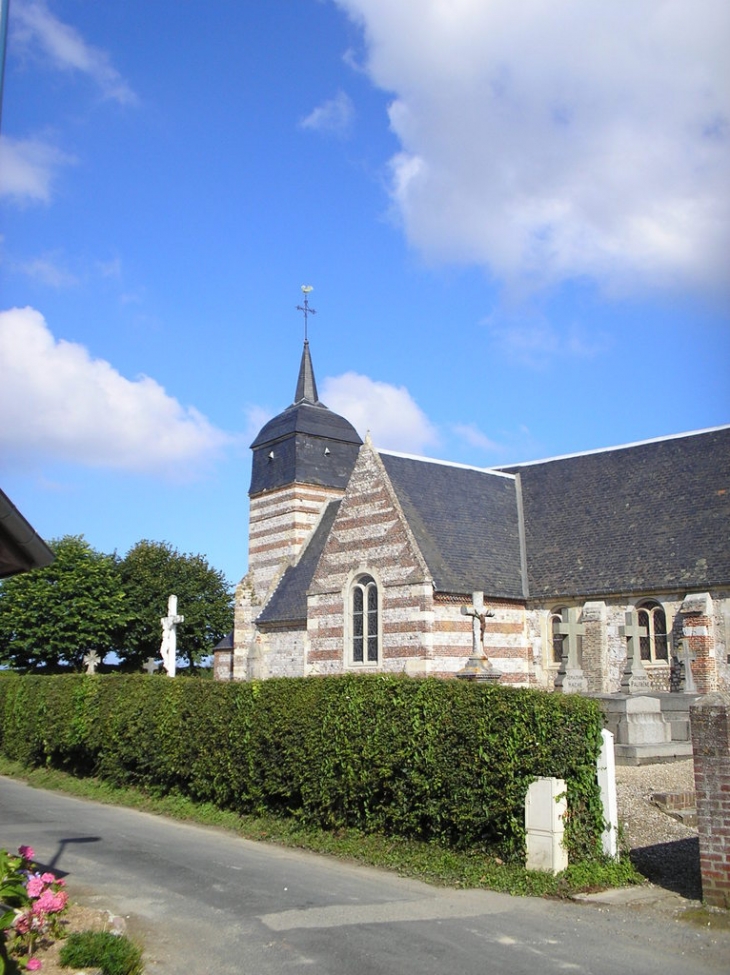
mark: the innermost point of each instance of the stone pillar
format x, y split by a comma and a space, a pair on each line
699, 634
595, 647
545, 809
710, 721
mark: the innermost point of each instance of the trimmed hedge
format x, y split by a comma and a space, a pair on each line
438, 760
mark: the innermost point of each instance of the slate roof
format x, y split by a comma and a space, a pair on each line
288, 604
648, 517
307, 443
465, 521
21, 548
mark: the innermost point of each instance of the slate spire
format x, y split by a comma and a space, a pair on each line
306, 385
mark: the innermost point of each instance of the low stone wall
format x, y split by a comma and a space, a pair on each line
710, 721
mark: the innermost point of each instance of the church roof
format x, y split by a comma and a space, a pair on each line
288, 604
307, 443
465, 522
21, 548
648, 517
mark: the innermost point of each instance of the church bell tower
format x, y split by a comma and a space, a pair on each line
302, 460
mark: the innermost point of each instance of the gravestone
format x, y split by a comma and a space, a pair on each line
545, 808
168, 647
570, 678
634, 679
92, 661
150, 665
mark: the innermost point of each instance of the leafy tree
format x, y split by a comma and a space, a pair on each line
151, 572
51, 617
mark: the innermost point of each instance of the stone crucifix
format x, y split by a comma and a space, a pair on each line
570, 674
478, 666
634, 679
92, 661
168, 647
479, 614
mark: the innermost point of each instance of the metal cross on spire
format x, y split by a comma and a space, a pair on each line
306, 290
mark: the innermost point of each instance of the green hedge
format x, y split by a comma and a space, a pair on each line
433, 759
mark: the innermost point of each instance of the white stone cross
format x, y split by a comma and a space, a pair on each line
570, 629
634, 680
168, 647
92, 661
150, 665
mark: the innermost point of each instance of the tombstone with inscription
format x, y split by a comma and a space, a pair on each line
570, 678
634, 679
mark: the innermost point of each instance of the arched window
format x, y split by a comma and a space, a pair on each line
556, 646
654, 646
365, 642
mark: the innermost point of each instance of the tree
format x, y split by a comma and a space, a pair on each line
150, 573
51, 617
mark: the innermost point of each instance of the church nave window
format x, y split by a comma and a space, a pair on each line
365, 639
655, 645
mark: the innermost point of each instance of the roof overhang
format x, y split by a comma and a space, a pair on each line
21, 548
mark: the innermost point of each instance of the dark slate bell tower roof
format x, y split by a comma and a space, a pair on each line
306, 444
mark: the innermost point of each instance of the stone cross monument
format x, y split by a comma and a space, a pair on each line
92, 661
634, 679
478, 666
571, 678
168, 647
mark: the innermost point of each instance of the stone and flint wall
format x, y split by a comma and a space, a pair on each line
280, 524
370, 535
710, 721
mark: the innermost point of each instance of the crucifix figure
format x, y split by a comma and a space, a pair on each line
168, 647
306, 290
570, 673
634, 680
479, 614
478, 666
92, 661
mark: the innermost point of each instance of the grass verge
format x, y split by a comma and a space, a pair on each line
430, 862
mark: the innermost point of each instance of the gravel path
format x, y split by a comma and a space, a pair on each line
663, 850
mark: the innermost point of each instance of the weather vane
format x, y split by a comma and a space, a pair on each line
306, 291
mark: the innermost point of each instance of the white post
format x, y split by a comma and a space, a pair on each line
606, 768
545, 808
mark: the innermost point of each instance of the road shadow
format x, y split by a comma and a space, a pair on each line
674, 866
52, 864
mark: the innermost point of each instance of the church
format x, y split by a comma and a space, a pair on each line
364, 560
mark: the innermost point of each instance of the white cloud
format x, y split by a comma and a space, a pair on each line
28, 168
524, 334
546, 141
57, 402
389, 413
49, 272
335, 115
471, 434
36, 28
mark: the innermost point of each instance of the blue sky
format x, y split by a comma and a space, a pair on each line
515, 218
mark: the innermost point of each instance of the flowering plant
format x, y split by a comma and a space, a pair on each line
32, 903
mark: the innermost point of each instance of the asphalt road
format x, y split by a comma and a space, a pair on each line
206, 902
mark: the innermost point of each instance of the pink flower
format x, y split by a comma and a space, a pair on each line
33, 965
50, 903
27, 852
35, 885
22, 922
48, 878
